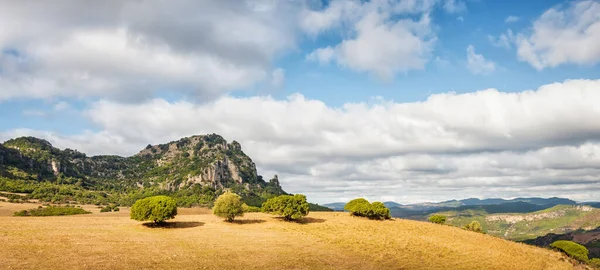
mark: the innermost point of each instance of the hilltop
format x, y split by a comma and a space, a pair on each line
198, 239
193, 169
521, 226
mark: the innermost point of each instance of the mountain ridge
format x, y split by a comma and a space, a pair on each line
203, 163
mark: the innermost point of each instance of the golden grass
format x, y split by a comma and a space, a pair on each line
198, 240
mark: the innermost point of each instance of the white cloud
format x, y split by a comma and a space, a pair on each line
378, 42
454, 6
486, 143
504, 40
278, 78
568, 35
511, 19
61, 106
321, 55
477, 64
128, 50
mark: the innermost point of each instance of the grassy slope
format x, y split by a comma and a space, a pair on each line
327, 241
570, 220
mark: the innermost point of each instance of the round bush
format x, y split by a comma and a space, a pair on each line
474, 226
156, 209
572, 249
291, 207
379, 211
228, 206
437, 219
362, 208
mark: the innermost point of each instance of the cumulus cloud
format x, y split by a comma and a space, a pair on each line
568, 34
127, 50
511, 19
477, 64
379, 43
504, 40
454, 6
540, 142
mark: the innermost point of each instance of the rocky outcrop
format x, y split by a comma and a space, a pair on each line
207, 160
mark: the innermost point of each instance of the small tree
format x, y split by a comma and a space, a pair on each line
228, 206
362, 208
379, 211
474, 226
437, 219
156, 209
358, 207
291, 207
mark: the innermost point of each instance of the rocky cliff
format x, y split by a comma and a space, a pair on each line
206, 160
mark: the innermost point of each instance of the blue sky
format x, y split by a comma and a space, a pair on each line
320, 92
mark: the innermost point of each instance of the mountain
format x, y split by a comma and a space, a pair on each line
197, 167
521, 226
589, 238
336, 206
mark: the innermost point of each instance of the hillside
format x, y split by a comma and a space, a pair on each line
520, 226
193, 169
589, 238
258, 241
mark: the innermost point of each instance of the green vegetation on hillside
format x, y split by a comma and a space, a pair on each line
522, 226
52, 211
572, 249
194, 171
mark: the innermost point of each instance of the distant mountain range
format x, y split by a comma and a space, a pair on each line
420, 208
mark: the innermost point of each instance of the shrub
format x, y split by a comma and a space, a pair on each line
362, 208
572, 249
291, 207
474, 226
379, 211
595, 262
156, 209
250, 209
228, 206
358, 207
109, 208
437, 219
52, 211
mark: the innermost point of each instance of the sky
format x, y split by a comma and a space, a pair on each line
390, 100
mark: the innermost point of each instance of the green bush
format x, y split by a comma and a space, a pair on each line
379, 211
228, 206
437, 219
250, 209
595, 262
362, 208
572, 249
474, 226
156, 209
52, 211
109, 208
291, 207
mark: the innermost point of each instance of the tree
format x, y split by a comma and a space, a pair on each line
228, 206
437, 219
474, 226
362, 208
291, 207
358, 207
379, 211
156, 209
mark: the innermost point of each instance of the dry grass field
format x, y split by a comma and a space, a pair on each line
198, 240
